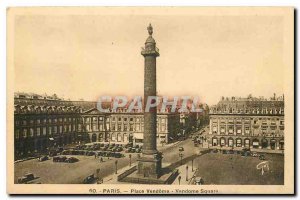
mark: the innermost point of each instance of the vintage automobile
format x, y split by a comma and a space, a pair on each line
26, 178
43, 158
118, 155
230, 151
90, 179
90, 153
215, 151
71, 160
255, 154
59, 159
262, 157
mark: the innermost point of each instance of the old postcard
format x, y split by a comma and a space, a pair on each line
156, 100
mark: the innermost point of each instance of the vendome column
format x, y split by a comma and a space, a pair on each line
150, 162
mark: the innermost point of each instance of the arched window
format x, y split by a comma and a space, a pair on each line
238, 142
119, 137
214, 141
264, 143
222, 142
230, 142
247, 142
255, 143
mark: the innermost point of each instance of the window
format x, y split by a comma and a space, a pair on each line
31, 132
24, 122
100, 118
131, 119
163, 127
24, 133
238, 142
131, 127
113, 127
215, 142
137, 119
60, 129
125, 127
125, 119
119, 127
44, 131
38, 131
17, 133
137, 127
50, 131
119, 119
55, 129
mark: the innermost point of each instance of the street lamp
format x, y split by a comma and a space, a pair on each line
179, 178
130, 160
187, 173
180, 155
116, 163
192, 165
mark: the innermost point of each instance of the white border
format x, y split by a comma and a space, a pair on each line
11, 3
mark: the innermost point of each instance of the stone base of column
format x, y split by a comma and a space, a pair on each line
150, 166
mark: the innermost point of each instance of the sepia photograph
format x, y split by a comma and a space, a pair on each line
150, 100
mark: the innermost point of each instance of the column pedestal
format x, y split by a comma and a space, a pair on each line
149, 165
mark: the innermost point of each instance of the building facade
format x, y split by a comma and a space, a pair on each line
250, 122
42, 123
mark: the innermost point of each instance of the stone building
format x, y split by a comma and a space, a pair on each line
250, 122
42, 123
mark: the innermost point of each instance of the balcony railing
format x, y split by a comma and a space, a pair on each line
149, 49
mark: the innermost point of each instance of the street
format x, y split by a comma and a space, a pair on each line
68, 173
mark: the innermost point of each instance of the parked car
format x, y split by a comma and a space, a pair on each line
59, 159
118, 155
43, 158
89, 179
26, 178
53, 153
72, 160
215, 150
262, 157
231, 152
254, 154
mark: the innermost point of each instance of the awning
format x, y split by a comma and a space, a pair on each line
52, 139
255, 143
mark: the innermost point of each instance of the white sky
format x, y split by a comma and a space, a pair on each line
206, 56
